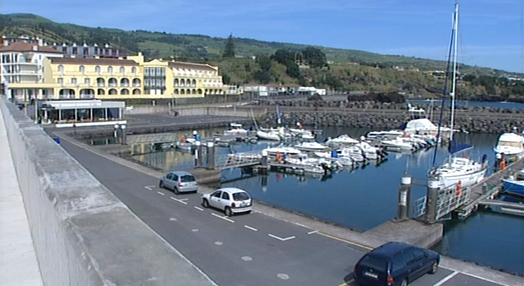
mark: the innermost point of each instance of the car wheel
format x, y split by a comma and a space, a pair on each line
175, 190
434, 267
205, 203
404, 283
228, 211
248, 212
161, 185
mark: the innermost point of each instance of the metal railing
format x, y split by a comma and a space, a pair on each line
228, 161
448, 200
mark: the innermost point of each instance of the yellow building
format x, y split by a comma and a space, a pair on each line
131, 78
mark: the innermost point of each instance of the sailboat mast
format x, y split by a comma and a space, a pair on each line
454, 68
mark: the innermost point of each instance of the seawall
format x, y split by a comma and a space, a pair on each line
380, 116
83, 235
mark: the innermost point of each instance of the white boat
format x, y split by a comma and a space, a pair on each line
463, 170
344, 161
398, 144
343, 139
236, 129
424, 126
390, 134
268, 135
456, 170
311, 146
369, 152
283, 150
303, 133
510, 144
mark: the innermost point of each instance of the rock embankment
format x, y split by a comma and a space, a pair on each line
380, 116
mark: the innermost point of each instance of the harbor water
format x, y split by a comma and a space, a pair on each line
365, 197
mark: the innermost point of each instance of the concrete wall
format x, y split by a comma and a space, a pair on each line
230, 110
83, 234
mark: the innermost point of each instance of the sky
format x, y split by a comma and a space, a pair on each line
491, 32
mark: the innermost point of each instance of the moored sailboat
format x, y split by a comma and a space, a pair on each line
459, 171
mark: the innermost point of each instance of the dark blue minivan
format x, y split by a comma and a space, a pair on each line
395, 264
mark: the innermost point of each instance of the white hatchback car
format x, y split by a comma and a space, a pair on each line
230, 200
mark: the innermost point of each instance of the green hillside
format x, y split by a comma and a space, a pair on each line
346, 70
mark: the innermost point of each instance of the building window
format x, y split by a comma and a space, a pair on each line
122, 70
87, 80
110, 69
60, 80
82, 69
97, 69
61, 69
133, 70
73, 80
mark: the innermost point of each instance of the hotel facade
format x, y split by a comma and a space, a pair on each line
30, 71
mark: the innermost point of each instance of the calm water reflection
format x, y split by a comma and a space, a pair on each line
366, 197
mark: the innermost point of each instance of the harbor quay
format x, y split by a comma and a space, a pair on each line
176, 230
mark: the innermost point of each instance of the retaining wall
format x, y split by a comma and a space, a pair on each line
83, 235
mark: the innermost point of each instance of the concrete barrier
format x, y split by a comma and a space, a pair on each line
83, 235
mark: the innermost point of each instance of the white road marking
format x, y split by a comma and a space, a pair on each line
184, 199
445, 279
160, 193
251, 228
172, 219
311, 232
178, 200
222, 217
283, 276
149, 187
280, 238
200, 209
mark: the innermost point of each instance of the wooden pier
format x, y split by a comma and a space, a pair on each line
485, 191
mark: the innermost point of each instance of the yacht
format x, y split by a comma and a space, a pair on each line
511, 145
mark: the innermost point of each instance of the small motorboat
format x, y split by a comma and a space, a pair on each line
311, 146
236, 129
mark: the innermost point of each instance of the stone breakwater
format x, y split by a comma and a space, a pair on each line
380, 116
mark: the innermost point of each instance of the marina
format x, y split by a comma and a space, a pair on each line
368, 202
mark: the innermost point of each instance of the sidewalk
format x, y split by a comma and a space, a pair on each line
18, 263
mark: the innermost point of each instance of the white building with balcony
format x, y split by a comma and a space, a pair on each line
22, 62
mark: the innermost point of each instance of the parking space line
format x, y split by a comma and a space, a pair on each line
251, 228
200, 209
346, 241
445, 279
149, 187
280, 238
311, 232
178, 200
160, 193
347, 283
222, 217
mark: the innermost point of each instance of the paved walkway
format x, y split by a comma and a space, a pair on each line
18, 263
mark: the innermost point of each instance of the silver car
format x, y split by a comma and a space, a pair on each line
179, 182
230, 200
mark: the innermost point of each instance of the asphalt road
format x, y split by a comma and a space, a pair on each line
252, 249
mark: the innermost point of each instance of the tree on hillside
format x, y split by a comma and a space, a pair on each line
229, 49
264, 74
314, 57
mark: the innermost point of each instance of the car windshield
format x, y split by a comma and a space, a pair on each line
187, 178
240, 196
374, 262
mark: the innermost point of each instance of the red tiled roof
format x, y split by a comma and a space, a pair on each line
93, 61
191, 66
28, 47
